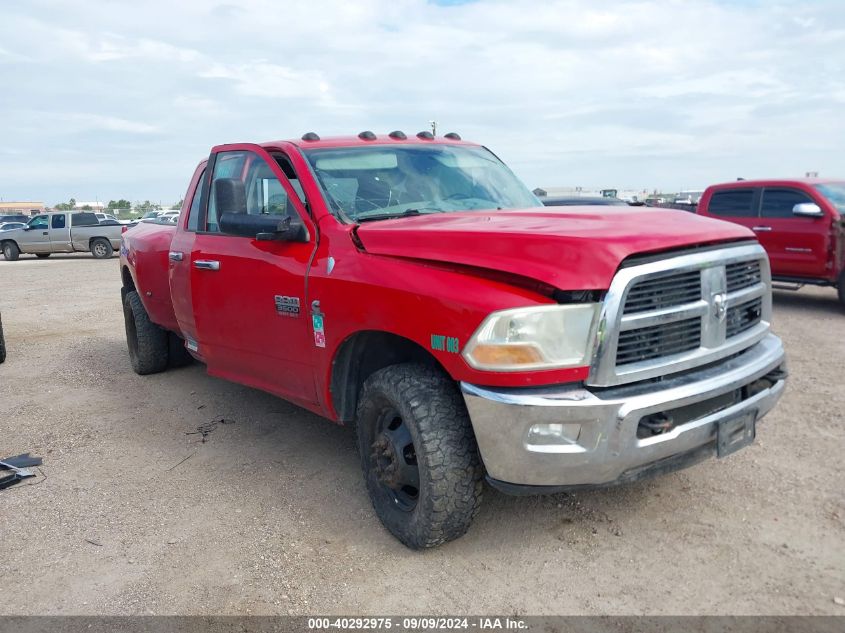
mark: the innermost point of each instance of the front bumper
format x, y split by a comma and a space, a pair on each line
603, 445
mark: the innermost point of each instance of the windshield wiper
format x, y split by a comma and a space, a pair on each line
402, 214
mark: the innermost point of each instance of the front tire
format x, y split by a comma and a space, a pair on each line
11, 251
177, 353
2, 343
418, 455
840, 287
101, 248
147, 342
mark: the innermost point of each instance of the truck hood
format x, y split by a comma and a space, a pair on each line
570, 248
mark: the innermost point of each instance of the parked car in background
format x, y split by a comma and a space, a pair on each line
574, 201
108, 217
14, 217
414, 288
798, 221
688, 197
62, 232
8, 226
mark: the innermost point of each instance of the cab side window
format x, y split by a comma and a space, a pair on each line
778, 203
194, 211
243, 183
737, 203
58, 221
38, 222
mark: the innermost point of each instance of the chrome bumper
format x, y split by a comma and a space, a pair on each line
602, 446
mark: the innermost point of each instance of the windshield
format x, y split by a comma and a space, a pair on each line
384, 181
835, 193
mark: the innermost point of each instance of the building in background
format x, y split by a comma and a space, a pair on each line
628, 195
21, 207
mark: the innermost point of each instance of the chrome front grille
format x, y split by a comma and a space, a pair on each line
663, 291
743, 317
677, 313
655, 341
741, 275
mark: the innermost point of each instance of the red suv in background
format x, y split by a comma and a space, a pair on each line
798, 221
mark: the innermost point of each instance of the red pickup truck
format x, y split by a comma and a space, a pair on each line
415, 287
798, 221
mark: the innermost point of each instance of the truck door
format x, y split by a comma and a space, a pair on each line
797, 246
60, 233
36, 238
179, 257
248, 296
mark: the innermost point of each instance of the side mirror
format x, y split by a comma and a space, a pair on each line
807, 210
27, 228
264, 227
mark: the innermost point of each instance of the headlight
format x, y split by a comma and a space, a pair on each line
541, 337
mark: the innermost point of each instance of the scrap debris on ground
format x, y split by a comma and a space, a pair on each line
15, 469
206, 428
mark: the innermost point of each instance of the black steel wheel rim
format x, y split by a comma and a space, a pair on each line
393, 460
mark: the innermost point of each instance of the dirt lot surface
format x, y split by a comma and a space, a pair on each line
133, 514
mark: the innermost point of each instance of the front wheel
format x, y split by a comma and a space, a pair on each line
840, 287
2, 343
418, 454
101, 248
11, 251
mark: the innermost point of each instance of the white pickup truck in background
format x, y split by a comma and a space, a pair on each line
62, 232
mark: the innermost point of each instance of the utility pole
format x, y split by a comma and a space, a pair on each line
433, 125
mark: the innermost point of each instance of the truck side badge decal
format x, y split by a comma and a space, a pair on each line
287, 306
318, 324
441, 343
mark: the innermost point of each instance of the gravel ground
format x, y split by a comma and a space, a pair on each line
133, 514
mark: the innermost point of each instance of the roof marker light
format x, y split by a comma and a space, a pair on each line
453, 135
367, 136
398, 135
425, 135
310, 136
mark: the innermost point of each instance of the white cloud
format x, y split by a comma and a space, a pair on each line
261, 78
646, 93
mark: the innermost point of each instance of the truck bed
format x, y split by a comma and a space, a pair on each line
145, 248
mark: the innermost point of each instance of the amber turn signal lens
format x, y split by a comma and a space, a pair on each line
486, 354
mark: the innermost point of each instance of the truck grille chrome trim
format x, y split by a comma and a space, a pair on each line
678, 313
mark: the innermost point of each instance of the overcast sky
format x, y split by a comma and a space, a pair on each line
103, 100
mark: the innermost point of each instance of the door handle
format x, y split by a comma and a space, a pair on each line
45, 233
175, 256
761, 228
207, 264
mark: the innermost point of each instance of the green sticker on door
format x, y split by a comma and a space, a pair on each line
319, 331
